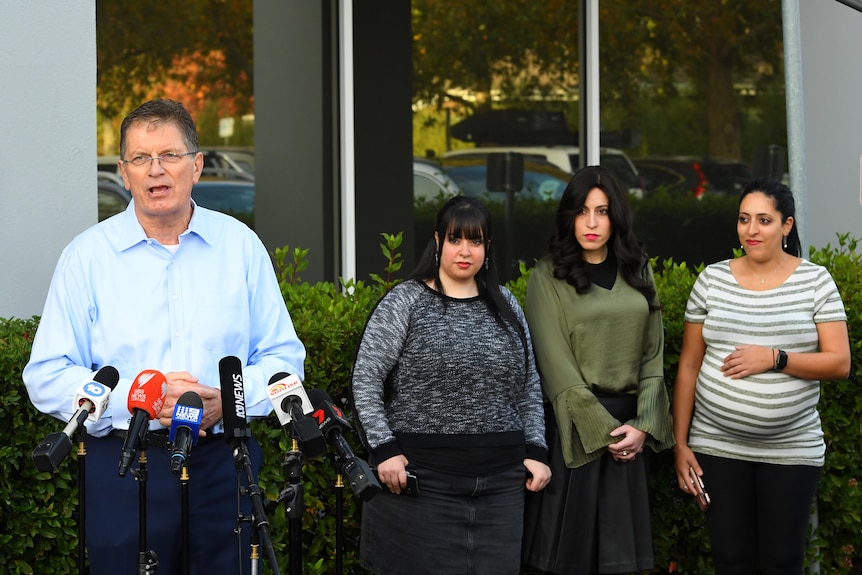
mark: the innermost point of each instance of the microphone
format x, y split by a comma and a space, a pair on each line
288, 397
146, 399
332, 423
90, 401
236, 428
185, 425
291, 404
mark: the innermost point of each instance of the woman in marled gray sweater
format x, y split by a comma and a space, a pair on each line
445, 387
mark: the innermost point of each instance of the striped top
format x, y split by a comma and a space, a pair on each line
770, 417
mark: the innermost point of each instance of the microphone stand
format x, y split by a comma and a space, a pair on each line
148, 561
254, 553
259, 521
82, 499
185, 553
294, 497
339, 516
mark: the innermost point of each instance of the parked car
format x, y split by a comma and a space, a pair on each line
567, 158
542, 180
430, 181
727, 176
108, 164
229, 163
682, 175
232, 197
113, 196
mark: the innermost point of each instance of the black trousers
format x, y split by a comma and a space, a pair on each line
758, 520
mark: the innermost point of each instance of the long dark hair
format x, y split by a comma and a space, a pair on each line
467, 217
782, 197
567, 253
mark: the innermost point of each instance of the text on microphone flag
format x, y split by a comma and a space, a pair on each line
144, 377
276, 388
187, 413
323, 418
139, 396
239, 395
319, 416
93, 389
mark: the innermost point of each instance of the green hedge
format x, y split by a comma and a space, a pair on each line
39, 510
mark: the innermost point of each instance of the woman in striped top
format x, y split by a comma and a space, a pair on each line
760, 332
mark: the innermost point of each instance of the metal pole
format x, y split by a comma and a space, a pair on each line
795, 116
348, 141
588, 82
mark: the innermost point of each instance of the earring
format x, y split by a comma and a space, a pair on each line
437, 259
486, 263
785, 242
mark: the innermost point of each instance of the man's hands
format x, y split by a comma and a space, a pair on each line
180, 382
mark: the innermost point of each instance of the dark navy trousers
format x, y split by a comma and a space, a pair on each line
113, 518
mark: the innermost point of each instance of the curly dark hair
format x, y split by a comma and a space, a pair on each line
567, 253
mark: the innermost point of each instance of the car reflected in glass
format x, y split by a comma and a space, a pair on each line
232, 197
543, 181
113, 196
430, 182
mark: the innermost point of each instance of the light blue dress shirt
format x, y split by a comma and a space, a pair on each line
118, 298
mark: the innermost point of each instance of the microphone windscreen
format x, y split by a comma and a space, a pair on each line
107, 376
191, 399
148, 392
318, 396
233, 398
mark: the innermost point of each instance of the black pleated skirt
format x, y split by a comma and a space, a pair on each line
594, 518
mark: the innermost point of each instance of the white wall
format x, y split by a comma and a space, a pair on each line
47, 142
831, 39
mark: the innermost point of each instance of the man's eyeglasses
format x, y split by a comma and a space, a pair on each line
164, 159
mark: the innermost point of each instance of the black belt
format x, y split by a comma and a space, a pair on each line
159, 438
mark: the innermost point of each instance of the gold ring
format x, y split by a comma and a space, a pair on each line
625, 452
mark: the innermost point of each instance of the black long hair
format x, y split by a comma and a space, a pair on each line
567, 253
468, 217
782, 197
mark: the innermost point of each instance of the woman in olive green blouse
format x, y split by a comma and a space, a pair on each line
596, 325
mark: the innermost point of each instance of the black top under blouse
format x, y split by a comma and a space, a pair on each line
603, 274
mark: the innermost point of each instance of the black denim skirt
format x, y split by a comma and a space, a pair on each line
457, 524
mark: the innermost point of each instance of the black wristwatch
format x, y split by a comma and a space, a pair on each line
781, 362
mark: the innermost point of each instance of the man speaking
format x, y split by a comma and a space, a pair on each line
172, 287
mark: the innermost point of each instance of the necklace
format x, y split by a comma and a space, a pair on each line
762, 279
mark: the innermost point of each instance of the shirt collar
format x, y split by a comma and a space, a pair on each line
128, 231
